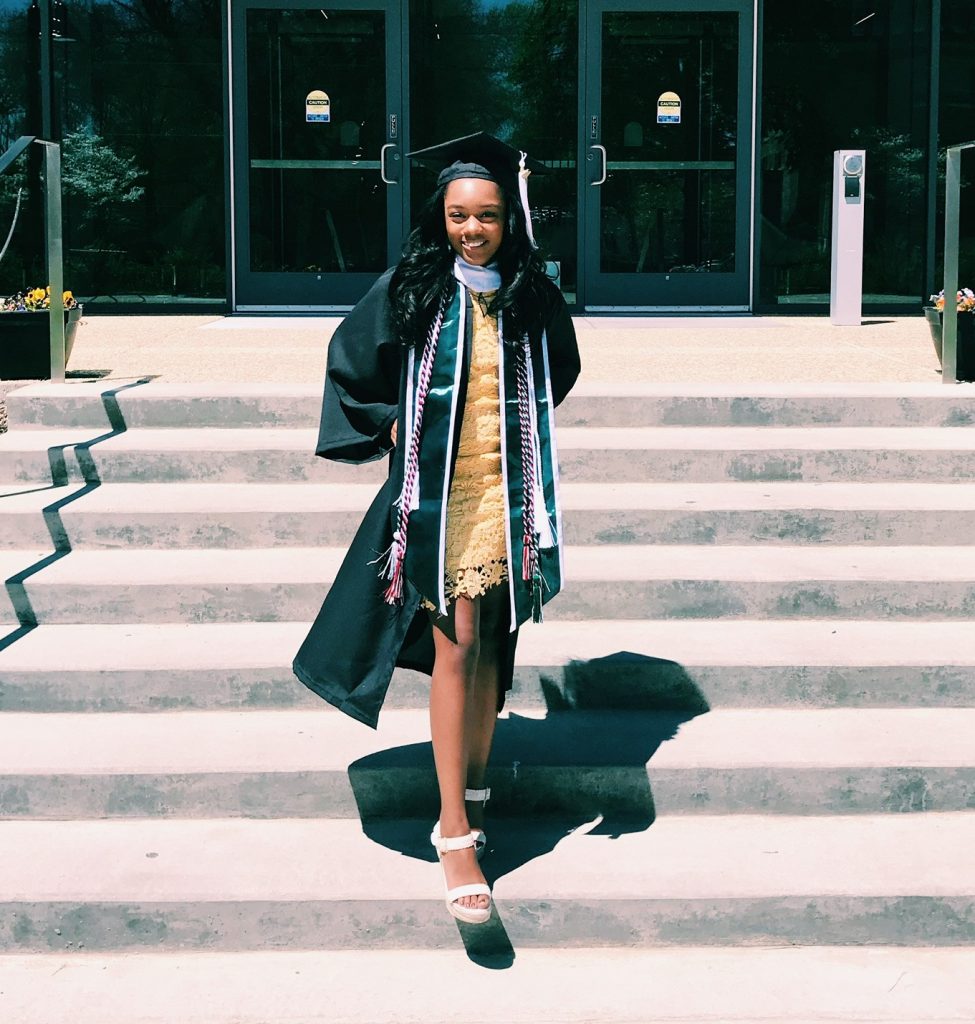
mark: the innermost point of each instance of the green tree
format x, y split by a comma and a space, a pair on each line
102, 181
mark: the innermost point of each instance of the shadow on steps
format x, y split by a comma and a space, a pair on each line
60, 477
605, 722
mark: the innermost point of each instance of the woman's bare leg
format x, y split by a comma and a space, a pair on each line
451, 691
482, 707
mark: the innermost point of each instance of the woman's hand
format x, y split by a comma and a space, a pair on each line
392, 432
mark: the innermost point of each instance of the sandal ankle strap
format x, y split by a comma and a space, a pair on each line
480, 796
448, 844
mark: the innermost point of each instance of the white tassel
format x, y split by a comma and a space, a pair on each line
389, 558
523, 173
546, 538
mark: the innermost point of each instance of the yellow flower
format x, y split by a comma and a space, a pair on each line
37, 294
67, 297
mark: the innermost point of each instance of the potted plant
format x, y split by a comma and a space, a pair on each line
25, 351
965, 369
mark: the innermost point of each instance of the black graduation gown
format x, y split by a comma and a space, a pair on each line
357, 639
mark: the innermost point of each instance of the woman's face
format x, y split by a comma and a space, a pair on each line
474, 211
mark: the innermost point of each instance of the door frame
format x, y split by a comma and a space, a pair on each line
590, 104
234, 13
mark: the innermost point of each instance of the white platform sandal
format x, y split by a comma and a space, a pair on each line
469, 915
478, 796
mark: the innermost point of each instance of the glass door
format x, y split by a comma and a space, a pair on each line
667, 154
317, 169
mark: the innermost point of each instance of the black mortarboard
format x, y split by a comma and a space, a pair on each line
476, 156
482, 156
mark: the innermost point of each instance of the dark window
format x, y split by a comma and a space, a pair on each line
957, 124
22, 264
844, 74
139, 108
509, 68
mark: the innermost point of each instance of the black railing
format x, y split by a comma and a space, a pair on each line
54, 245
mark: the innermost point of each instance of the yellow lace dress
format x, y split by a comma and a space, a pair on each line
476, 555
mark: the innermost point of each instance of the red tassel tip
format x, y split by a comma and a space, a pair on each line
394, 592
527, 562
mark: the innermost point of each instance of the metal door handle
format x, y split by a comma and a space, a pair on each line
382, 164
602, 149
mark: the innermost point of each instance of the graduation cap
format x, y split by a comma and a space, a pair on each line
482, 156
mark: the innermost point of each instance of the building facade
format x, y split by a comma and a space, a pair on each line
250, 154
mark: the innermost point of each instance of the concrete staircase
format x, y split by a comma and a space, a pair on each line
735, 781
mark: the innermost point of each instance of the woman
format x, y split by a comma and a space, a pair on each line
454, 361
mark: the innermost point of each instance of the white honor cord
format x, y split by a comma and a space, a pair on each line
523, 173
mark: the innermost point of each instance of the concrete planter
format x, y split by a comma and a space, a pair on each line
25, 350
966, 340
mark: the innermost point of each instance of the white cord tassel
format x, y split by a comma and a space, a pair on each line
523, 173
389, 557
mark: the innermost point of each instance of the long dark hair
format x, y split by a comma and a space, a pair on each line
423, 278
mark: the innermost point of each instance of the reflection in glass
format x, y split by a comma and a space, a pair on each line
881, 104
525, 93
20, 206
317, 202
668, 203
138, 105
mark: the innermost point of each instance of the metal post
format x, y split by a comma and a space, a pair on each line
47, 71
55, 268
846, 275
949, 318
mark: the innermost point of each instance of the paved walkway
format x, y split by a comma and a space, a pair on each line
741, 349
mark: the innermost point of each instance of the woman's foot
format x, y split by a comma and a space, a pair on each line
461, 868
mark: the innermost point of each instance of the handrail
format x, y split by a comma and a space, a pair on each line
14, 151
54, 243
949, 319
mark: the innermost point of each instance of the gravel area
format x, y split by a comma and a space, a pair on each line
6, 386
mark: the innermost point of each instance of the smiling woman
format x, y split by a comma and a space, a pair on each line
468, 346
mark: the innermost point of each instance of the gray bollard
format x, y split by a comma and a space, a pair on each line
846, 281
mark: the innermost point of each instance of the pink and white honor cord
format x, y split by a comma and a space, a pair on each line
529, 558
397, 555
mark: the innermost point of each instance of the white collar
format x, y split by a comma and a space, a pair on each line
478, 279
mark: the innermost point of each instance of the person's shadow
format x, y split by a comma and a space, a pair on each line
583, 764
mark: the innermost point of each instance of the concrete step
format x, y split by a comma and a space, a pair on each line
162, 405
599, 454
695, 880
263, 515
581, 985
676, 665
619, 581
618, 765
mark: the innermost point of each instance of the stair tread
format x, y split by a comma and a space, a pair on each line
588, 985
168, 498
717, 438
692, 643
158, 389
677, 563
717, 857
325, 740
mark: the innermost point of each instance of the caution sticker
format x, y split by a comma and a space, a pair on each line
318, 107
668, 108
